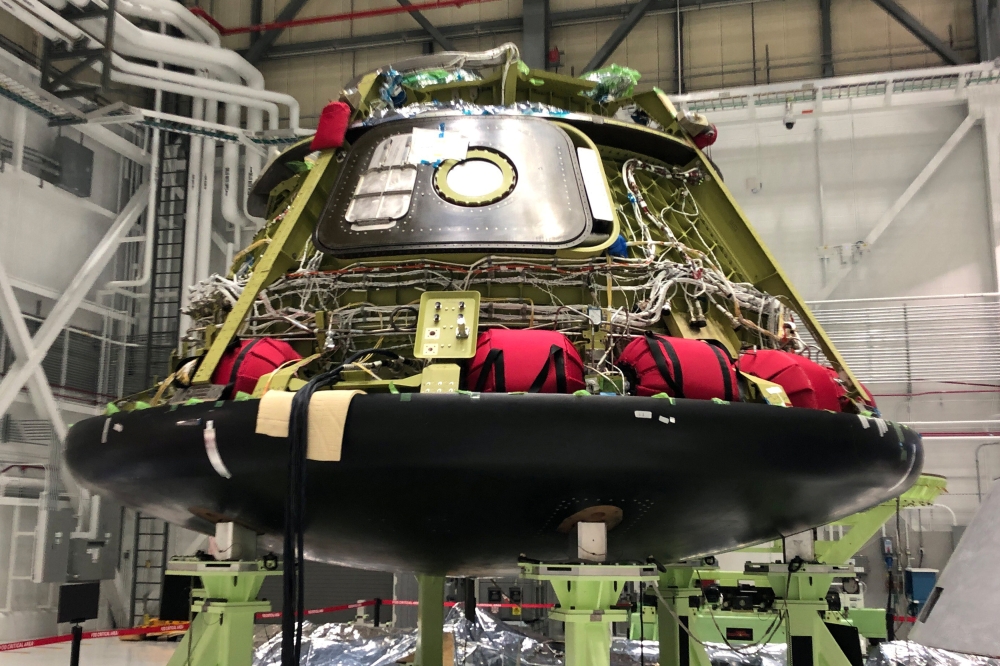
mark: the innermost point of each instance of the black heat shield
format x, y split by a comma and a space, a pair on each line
464, 484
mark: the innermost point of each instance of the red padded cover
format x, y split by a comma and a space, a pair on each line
696, 369
332, 126
256, 358
524, 354
807, 383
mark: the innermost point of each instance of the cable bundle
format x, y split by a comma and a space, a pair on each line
293, 576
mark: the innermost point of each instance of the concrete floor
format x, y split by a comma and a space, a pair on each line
96, 652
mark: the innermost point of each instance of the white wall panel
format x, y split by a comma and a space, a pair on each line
937, 245
46, 232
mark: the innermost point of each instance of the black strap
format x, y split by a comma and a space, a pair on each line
494, 361
722, 348
675, 382
557, 357
239, 360
727, 379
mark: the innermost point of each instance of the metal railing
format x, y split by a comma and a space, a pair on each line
949, 338
814, 92
83, 366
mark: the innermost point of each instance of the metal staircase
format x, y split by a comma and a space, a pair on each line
168, 252
149, 562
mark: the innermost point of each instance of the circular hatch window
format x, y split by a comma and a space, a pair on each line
484, 177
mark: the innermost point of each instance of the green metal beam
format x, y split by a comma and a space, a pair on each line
290, 236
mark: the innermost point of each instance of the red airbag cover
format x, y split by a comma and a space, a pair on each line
263, 356
807, 383
332, 126
705, 371
525, 354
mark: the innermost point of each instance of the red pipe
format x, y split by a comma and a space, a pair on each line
331, 18
22, 467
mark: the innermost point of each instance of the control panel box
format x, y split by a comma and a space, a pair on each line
447, 325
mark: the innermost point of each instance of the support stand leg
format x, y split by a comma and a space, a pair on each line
587, 595
588, 643
430, 621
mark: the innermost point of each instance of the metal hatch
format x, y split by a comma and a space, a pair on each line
518, 186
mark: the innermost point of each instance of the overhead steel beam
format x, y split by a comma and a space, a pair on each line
920, 31
268, 38
618, 35
535, 33
826, 37
24, 368
897, 207
483, 28
435, 34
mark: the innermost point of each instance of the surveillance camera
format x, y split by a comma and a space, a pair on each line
789, 117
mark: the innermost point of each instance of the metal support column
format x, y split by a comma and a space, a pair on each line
430, 621
987, 18
679, 55
826, 37
535, 33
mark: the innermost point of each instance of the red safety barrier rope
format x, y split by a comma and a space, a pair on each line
182, 626
109, 633
904, 618
319, 611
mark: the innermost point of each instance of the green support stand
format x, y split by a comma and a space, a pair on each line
587, 594
430, 621
221, 633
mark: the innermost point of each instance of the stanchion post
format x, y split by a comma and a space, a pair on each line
74, 652
470, 599
377, 611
